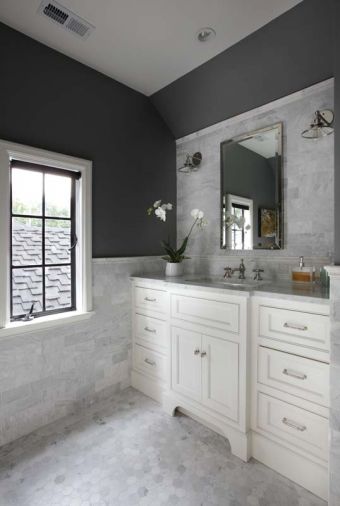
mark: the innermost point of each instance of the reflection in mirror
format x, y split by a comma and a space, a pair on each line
251, 200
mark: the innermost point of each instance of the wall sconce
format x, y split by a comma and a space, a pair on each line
191, 164
321, 126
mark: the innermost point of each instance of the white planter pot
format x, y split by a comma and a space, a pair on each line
174, 269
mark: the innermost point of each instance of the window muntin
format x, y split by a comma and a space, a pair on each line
43, 240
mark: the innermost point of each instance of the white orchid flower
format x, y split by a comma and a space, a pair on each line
202, 223
157, 203
160, 213
169, 206
197, 214
229, 219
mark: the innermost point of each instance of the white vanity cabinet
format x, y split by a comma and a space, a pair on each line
206, 369
151, 338
290, 389
191, 352
254, 367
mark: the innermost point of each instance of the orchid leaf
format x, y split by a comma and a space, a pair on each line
181, 250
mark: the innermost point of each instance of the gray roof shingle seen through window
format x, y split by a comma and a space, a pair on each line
27, 282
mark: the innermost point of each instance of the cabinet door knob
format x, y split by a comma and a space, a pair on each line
197, 351
203, 354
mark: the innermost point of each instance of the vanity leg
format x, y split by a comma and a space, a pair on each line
240, 444
169, 404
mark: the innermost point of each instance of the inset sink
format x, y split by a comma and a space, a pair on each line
247, 284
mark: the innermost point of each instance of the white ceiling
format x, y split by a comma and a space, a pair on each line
264, 144
145, 44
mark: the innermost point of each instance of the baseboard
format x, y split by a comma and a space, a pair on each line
304, 472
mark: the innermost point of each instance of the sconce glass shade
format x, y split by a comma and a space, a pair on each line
191, 164
322, 125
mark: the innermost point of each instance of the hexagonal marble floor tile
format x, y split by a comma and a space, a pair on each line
127, 451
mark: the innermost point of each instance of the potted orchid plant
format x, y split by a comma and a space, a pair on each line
175, 256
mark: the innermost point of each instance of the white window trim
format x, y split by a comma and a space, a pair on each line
9, 151
236, 199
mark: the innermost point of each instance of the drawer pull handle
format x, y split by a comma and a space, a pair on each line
294, 374
203, 354
295, 326
150, 362
197, 351
293, 424
148, 299
147, 329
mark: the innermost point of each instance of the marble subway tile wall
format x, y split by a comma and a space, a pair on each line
334, 457
48, 374
308, 174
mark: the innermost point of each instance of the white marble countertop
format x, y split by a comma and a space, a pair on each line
310, 292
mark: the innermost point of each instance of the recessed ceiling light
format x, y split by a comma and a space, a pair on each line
205, 34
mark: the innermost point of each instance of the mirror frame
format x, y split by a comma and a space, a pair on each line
279, 185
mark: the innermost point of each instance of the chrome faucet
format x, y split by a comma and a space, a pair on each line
242, 270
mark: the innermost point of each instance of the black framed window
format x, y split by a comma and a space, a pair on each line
43, 240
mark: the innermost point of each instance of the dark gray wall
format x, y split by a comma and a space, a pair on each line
336, 57
290, 53
50, 101
249, 175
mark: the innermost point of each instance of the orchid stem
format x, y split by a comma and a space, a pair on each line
192, 227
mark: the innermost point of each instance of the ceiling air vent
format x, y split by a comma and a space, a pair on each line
66, 18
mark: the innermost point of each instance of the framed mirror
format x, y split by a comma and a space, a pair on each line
251, 190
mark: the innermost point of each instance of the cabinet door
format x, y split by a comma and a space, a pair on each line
186, 363
220, 371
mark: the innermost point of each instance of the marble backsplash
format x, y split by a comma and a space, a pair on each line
274, 268
47, 374
308, 175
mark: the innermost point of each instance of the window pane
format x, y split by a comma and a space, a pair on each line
27, 192
237, 239
58, 287
26, 241
27, 288
57, 196
57, 241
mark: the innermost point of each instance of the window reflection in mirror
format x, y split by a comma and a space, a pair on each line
251, 200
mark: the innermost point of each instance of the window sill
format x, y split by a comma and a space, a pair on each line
44, 322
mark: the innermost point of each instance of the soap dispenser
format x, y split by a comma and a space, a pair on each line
302, 273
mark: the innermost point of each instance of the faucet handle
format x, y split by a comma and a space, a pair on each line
258, 276
228, 272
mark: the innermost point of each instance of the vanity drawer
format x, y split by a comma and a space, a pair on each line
295, 327
151, 331
215, 313
151, 299
149, 362
295, 375
294, 425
